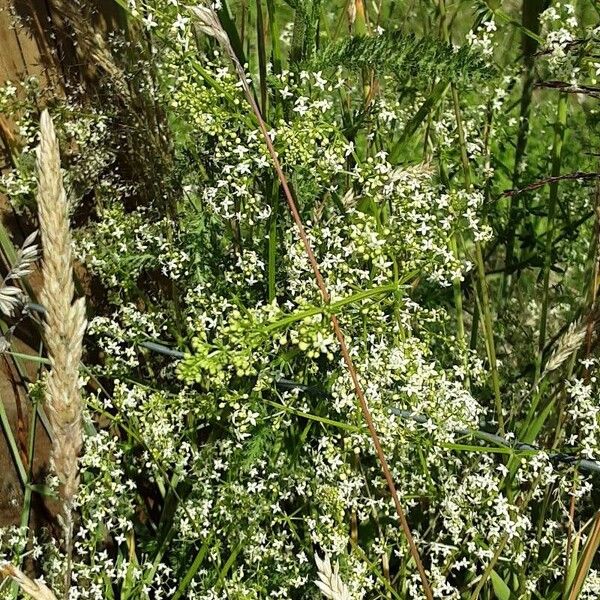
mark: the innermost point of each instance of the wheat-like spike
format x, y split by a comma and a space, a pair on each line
330, 583
37, 589
569, 342
91, 46
65, 319
64, 326
208, 23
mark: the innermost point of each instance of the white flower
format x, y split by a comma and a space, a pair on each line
180, 23
149, 21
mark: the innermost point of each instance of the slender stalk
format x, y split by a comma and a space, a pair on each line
595, 275
211, 26
557, 146
457, 291
12, 444
274, 36
262, 55
458, 307
26, 508
486, 310
488, 328
530, 19
272, 243
572, 547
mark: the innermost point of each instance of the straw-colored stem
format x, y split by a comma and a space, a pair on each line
210, 24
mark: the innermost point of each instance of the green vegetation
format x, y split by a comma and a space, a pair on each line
443, 159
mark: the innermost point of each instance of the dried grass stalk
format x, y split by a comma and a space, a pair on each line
64, 327
208, 22
35, 588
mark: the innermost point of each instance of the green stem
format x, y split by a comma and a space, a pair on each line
488, 328
274, 36
12, 445
531, 21
272, 244
457, 290
557, 146
26, 508
262, 56
458, 306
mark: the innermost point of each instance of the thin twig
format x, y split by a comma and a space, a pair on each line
542, 182
210, 24
563, 86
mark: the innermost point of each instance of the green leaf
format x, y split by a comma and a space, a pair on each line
498, 12
12, 444
415, 122
501, 590
195, 566
480, 449
43, 490
232, 33
334, 307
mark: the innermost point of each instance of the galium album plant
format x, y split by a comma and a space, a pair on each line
443, 162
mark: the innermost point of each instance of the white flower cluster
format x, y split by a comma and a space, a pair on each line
584, 410
559, 25
217, 469
482, 39
123, 244
118, 336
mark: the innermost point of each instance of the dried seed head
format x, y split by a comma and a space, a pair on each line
37, 589
351, 12
569, 343
208, 23
330, 583
65, 319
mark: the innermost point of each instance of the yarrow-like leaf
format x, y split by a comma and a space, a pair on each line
406, 57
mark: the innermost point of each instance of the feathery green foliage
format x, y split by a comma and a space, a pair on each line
406, 57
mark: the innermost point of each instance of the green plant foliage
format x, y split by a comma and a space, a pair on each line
446, 175
406, 57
